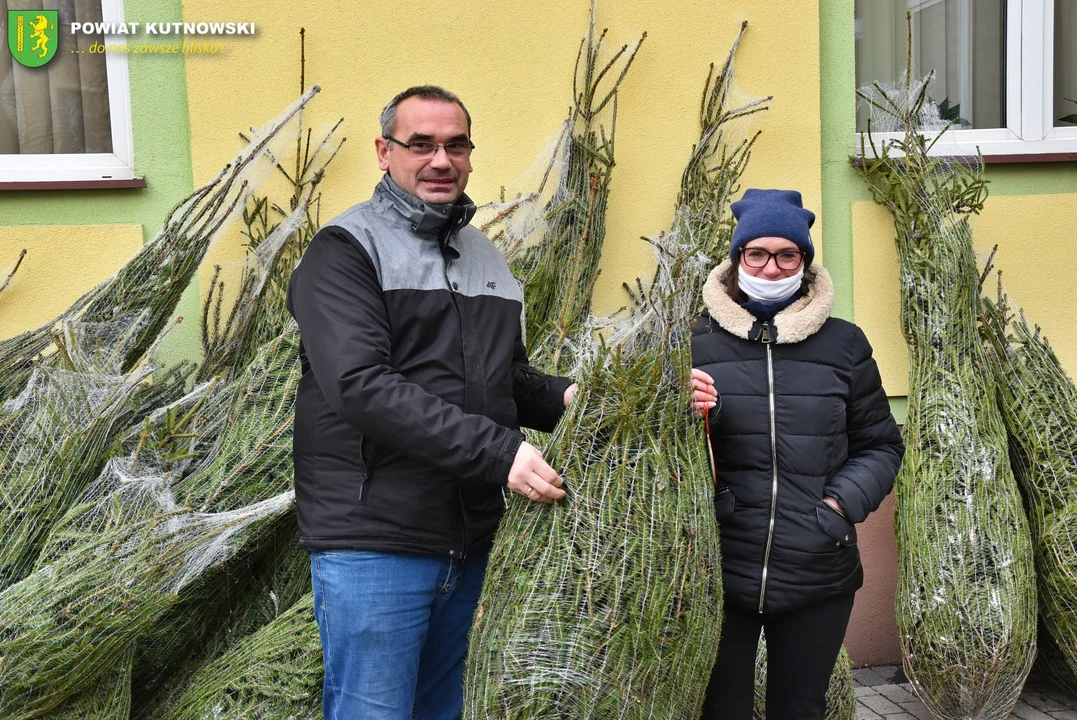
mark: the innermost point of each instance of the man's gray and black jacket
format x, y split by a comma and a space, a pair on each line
415, 379
803, 415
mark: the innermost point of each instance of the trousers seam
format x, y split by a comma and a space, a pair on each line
325, 615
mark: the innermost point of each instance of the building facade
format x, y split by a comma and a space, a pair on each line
172, 120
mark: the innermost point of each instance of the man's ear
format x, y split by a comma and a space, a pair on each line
382, 147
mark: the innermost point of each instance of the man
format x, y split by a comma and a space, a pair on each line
415, 381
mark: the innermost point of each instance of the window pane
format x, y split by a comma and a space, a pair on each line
62, 106
1065, 63
963, 41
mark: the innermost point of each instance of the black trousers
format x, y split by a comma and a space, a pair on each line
802, 647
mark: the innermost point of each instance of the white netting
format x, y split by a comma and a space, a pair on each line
54, 435
111, 569
903, 104
966, 593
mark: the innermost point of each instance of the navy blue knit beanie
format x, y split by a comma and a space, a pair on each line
772, 213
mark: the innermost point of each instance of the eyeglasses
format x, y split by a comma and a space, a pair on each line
424, 149
785, 259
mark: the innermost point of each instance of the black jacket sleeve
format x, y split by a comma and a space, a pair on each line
335, 297
875, 445
540, 398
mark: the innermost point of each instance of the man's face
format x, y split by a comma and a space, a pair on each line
439, 179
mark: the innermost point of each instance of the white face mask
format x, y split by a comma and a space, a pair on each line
771, 291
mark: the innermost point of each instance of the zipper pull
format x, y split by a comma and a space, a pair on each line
765, 338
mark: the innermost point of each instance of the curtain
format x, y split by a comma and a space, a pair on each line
961, 40
61, 107
1065, 114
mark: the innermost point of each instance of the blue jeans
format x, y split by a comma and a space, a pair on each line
394, 630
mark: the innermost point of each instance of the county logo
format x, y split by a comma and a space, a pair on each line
31, 36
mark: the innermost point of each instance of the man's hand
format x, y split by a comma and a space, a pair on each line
704, 396
532, 477
570, 392
832, 502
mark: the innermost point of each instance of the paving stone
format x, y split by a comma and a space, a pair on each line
867, 677
917, 710
1026, 712
1041, 701
1062, 698
894, 674
895, 693
862, 713
884, 693
880, 705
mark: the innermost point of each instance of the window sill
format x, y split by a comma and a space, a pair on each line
1031, 158
1015, 158
74, 184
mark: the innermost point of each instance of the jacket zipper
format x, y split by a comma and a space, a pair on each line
443, 240
368, 459
773, 464
463, 523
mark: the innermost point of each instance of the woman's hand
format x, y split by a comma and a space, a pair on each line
704, 396
832, 502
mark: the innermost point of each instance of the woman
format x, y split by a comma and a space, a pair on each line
804, 447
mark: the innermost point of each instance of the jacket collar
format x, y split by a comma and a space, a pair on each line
795, 323
425, 218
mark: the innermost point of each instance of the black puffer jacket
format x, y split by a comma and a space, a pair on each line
803, 415
415, 379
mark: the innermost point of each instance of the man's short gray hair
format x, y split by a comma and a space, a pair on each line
427, 92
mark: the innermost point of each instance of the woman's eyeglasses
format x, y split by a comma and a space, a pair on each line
785, 259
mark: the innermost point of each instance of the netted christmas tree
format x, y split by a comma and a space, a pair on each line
112, 568
966, 592
553, 240
608, 604
1039, 405
272, 674
185, 543
840, 696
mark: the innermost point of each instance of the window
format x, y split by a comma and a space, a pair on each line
1006, 70
69, 119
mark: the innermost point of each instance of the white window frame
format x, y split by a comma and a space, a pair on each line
1030, 70
69, 167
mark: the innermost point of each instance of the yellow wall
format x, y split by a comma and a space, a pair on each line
512, 65
62, 262
1034, 234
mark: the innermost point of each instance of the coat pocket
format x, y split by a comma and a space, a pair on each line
835, 525
724, 504
366, 468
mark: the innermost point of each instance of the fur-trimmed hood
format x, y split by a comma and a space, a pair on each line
795, 323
